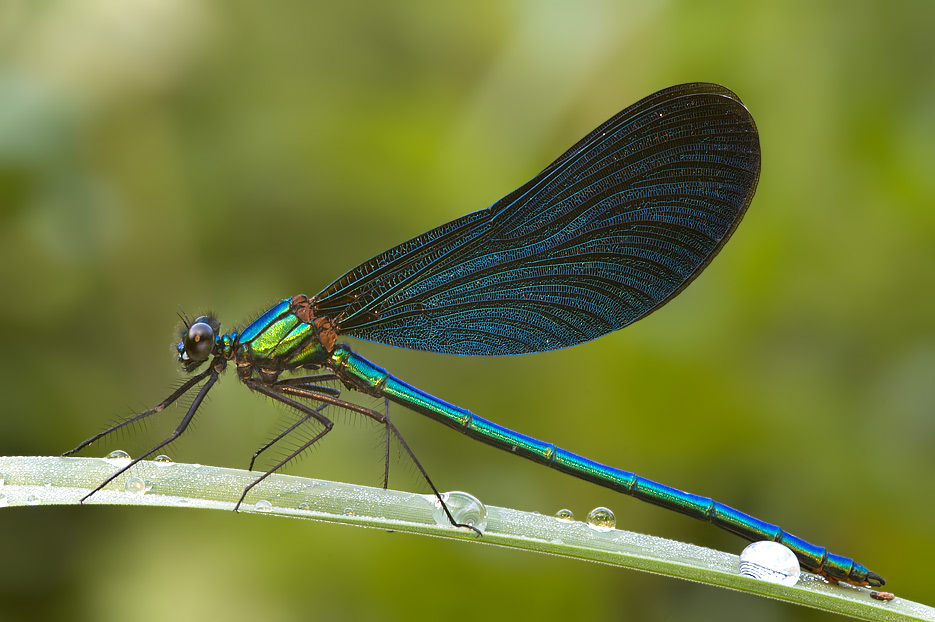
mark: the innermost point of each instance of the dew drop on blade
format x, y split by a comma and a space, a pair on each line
163, 460
465, 509
263, 506
135, 486
3, 501
601, 520
117, 458
565, 516
771, 562
33, 500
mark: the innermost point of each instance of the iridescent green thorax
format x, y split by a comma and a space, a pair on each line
286, 337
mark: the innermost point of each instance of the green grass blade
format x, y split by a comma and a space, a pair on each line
38, 481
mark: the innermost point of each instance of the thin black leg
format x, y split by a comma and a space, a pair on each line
182, 390
382, 418
178, 431
386, 444
313, 382
307, 411
310, 383
281, 436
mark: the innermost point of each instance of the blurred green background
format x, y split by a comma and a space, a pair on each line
223, 155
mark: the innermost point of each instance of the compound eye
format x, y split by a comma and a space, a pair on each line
199, 341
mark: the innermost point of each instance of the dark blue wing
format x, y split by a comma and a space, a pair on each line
609, 232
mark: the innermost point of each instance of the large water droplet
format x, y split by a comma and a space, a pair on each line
163, 460
771, 562
135, 486
304, 506
465, 509
565, 516
118, 458
263, 506
601, 520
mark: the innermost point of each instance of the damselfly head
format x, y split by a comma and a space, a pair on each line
198, 341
